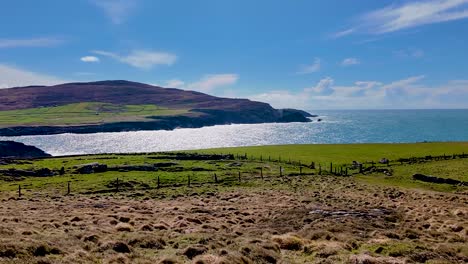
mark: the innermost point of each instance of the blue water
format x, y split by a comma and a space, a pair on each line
358, 126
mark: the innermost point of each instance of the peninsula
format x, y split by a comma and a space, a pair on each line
115, 106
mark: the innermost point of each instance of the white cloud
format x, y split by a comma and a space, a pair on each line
208, 83
89, 59
407, 93
350, 61
212, 81
409, 14
117, 10
314, 67
32, 42
343, 33
412, 14
13, 77
142, 59
175, 83
323, 87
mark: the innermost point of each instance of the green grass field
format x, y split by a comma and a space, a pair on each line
203, 171
83, 113
346, 153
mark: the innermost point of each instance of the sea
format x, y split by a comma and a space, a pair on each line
336, 126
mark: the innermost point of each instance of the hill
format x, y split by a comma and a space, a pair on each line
112, 106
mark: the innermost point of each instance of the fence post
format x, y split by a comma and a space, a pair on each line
68, 188
281, 171
117, 184
19, 190
331, 168
261, 172
159, 182
346, 171
261, 158
216, 178
188, 180
239, 176
300, 170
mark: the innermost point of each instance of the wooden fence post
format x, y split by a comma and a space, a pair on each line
68, 188
159, 183
19, 190
216, 178
300, 170
239, 176
261, 173
281, 171
331, 167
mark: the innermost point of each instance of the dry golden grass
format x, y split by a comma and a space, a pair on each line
332, 220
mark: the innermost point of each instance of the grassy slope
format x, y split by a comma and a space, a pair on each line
83, 113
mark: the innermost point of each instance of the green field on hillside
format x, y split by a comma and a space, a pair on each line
345, 153
202, 171
83, 113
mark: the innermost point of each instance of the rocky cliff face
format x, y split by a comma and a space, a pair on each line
11, 149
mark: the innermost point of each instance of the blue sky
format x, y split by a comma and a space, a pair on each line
330, 54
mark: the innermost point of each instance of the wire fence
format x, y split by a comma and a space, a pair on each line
285, 171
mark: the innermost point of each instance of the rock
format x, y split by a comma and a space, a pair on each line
91, 168
193, 251
433, 179
11, 149
121, 247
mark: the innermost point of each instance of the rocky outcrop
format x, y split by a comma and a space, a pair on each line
433, 179
11, 149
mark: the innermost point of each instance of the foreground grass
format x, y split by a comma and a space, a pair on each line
83, 113
286, 217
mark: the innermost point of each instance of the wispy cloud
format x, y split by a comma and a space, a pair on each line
31, 42
410, 14
117, 10
11, 76
343, 33
142, 59
323, 87
89, 59
314, 67
409, 53
175, 83
207, 83
350, 61
212, 81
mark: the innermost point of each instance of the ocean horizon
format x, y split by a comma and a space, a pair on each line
335, 127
